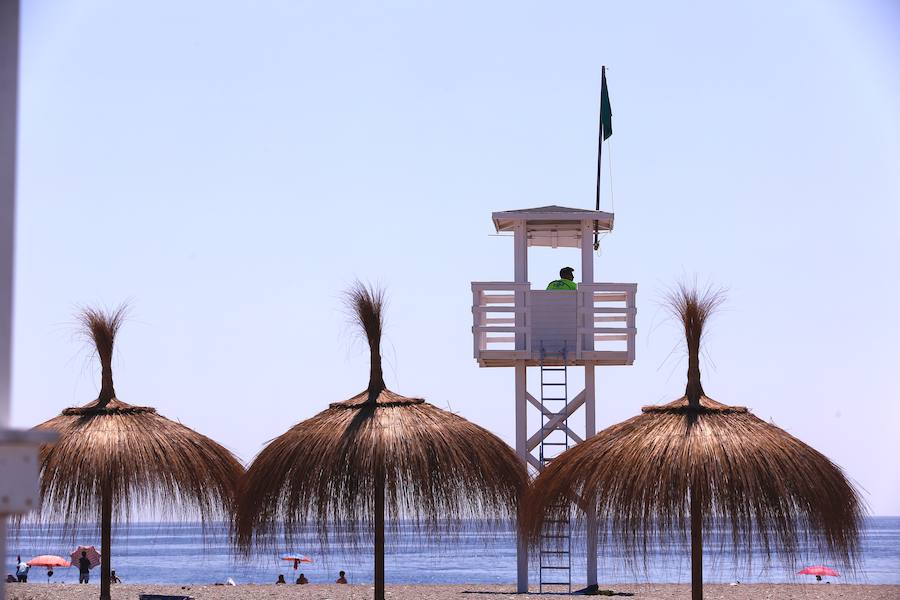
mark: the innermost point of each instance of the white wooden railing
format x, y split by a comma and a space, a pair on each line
500, 317
606, 314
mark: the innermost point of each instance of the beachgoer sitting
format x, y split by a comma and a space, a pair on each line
566, 280
84, 568
113, 578
341, 578
280, 580
21, 570
11, 579
302, 580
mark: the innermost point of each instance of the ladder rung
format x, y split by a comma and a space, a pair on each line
553, 444
556, 568
542, 383
555, 583
554, 551
546, 369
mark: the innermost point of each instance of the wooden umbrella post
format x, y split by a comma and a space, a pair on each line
379, 535
696, 545
105, 541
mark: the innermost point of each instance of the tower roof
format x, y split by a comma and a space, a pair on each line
552, 225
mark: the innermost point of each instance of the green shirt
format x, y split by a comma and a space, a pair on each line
562, 284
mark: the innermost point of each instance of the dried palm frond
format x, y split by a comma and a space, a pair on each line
111, 457
377, 455
698, 461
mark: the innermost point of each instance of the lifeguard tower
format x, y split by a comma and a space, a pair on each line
519, 327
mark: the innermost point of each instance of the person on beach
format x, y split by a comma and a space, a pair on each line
566, 280
11, 579
84, 568
302, 580
21, 570
280, 580
113, 578
341, 578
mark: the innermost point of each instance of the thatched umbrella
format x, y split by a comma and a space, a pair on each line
694, 462
377, 455
112, 457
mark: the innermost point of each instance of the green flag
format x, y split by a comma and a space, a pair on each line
605, 108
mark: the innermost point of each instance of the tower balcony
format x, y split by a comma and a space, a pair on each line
593, 325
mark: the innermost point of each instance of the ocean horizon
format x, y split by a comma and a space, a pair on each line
182, 553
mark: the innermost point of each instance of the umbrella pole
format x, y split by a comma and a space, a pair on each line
696, 546
379, 536
105, 535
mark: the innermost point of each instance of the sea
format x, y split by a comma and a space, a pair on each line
187, 553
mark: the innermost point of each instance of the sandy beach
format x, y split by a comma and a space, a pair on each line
811, 591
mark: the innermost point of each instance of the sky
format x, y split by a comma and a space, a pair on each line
228, 168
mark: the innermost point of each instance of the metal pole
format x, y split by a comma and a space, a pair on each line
599, 157
9, 80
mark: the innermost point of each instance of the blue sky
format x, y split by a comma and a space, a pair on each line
230, 167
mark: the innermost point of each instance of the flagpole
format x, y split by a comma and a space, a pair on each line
599, 157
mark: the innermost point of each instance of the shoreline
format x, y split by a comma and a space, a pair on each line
645, 591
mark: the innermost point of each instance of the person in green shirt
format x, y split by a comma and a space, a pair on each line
566, 280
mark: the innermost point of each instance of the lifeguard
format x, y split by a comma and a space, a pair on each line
566, 280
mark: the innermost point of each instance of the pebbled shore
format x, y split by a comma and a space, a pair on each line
810, 591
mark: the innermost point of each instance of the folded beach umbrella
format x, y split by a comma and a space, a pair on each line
696, 463
376, 456
90, 552
111, 457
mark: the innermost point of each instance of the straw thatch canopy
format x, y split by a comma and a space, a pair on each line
112, 457
695, 463
377, 455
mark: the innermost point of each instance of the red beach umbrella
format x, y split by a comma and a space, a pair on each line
820, 571
48, 560
92, 555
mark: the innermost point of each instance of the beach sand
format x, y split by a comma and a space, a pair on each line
811, 591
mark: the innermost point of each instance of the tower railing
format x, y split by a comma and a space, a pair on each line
500, 317
510, 322
606, 317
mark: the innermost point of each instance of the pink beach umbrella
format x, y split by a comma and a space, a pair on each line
92, 555
819, 571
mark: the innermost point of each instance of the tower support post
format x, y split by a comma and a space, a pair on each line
590, 428
522, 451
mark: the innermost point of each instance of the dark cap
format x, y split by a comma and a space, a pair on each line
565, 270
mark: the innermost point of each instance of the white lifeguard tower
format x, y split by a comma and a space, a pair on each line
516, 326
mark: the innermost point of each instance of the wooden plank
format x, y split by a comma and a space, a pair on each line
610, 297
499, 329
500, 340
498, 298
504, 321
499, 285
605, 330
614, 319
610, 338
498, 309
